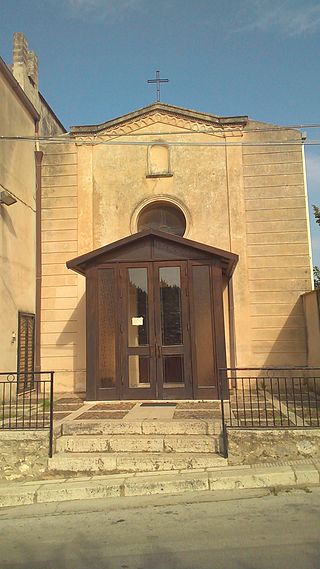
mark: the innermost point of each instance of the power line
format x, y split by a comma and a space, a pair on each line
97, 142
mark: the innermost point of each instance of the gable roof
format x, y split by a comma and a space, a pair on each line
80, 264
173, 110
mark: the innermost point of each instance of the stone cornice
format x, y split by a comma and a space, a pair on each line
160, 112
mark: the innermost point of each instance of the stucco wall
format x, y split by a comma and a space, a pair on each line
249, 200
17, 222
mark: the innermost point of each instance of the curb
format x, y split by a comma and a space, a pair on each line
146, 484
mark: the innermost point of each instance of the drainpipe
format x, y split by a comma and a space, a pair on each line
38, 159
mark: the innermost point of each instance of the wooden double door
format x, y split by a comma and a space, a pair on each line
154, 330
156, 346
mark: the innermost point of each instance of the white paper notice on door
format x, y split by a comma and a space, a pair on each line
137, 321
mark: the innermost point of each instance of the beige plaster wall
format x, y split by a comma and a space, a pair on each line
311, 306
62, 290
278, 248
17, 222
249, 200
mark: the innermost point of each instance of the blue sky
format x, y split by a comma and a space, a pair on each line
249, 57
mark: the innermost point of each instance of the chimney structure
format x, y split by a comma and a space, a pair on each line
25, 67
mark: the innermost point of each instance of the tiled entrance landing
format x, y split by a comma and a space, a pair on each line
69, 408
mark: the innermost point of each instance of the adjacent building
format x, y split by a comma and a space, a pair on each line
24, 116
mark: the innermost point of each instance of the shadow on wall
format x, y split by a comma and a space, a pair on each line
287, 347
73, 336
7, 221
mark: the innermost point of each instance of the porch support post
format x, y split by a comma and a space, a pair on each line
91, 332
220, 342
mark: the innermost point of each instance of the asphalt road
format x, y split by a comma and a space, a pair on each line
226, 530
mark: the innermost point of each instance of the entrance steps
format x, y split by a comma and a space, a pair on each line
105, 447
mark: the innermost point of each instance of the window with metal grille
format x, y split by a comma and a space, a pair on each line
26, 335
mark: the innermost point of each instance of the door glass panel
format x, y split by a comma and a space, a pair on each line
170, 306
107, 327
138, 333
139, 371
203, 326
173, 375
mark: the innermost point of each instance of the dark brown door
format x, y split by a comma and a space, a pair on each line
172, 331
138, 363
156, 355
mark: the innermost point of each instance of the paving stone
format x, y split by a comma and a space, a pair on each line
111, 443
67, 406
144, 462
17, 495
58, 415
134, 443
200, 414
82, 462
85, 443
101, 428
156, 482
69, 399
119, 406
306, 474
102, 415
257, 478
174, 427
190, 444
198, 405
167, 484
80, 490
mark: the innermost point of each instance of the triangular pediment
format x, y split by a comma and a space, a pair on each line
152, 245
159, 113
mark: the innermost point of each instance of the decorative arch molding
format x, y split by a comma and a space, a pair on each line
165, 199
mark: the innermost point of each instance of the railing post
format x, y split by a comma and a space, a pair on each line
224, 433
51, 416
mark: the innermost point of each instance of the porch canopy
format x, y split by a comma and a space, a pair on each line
155, 319
152, 245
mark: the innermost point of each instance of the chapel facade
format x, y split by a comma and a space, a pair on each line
174, 243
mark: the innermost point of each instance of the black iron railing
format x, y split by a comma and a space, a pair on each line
26, 402
269, 398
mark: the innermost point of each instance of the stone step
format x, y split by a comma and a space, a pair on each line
137, 443
146, 427
106, 463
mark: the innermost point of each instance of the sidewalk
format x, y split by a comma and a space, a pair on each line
302, 473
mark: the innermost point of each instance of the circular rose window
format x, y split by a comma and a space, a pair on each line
162, 217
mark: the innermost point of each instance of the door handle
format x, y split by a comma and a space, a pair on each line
158, 351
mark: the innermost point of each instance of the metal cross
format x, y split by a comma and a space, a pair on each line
157, 80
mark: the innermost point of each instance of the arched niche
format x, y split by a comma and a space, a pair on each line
159, 160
